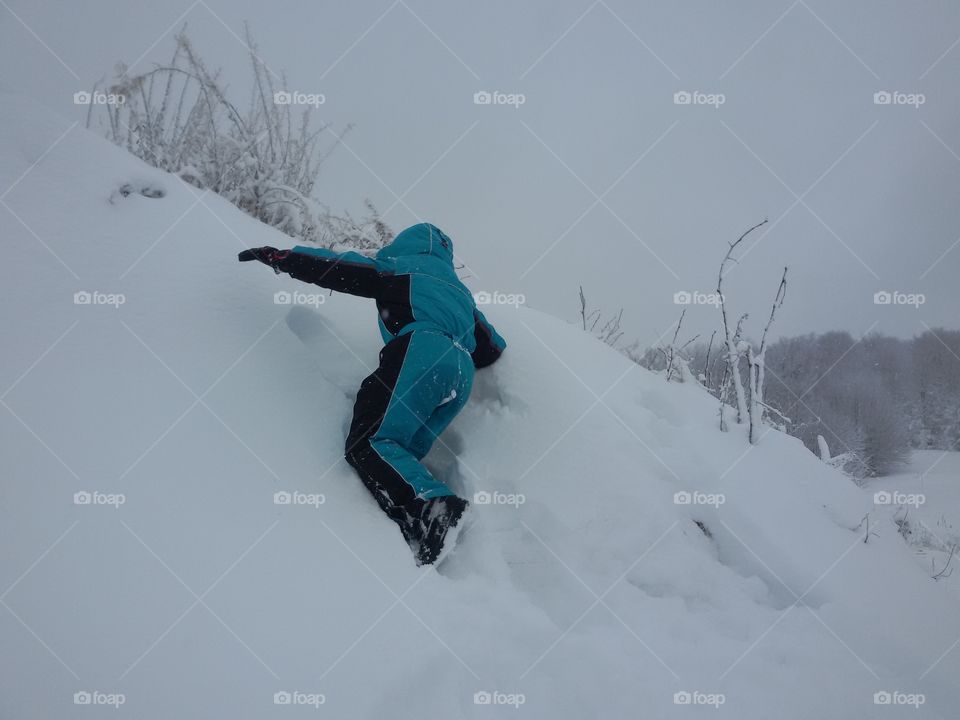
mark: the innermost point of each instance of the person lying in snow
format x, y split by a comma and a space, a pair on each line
434, 338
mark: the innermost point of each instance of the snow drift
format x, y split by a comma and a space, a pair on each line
181, 534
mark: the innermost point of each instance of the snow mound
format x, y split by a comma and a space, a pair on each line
182, 534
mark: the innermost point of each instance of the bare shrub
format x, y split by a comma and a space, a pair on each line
266, 160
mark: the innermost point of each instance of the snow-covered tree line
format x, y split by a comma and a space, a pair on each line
864, 402
265, 160
871, 399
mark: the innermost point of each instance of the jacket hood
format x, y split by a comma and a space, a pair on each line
422, 239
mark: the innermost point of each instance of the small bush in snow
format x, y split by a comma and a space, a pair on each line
177, 117
609, 332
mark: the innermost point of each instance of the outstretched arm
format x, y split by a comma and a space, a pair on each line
348, 272
489, 343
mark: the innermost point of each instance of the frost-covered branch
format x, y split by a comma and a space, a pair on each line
266, 161
733, 350
610, 332
756, 360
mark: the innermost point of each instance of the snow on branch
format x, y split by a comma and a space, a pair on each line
749, 401
731, 340
756, 363
266, 161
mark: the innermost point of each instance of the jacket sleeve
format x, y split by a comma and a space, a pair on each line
489, 343
347, 272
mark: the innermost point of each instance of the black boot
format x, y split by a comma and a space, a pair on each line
437, 517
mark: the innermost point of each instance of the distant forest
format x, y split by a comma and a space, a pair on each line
872, 400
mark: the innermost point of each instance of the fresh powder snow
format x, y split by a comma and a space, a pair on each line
182, 537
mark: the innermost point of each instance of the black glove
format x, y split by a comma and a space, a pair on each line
267, 255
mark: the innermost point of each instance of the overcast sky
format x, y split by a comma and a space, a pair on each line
600, 177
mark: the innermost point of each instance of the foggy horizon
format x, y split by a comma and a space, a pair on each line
601, 176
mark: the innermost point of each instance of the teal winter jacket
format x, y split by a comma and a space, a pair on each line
414, 284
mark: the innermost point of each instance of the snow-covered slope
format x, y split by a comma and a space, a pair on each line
198, 398
925, 497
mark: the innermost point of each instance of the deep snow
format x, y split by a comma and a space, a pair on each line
926, 494
199, 398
